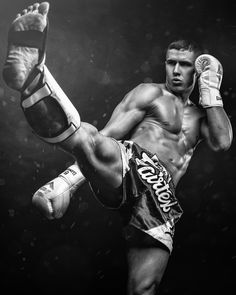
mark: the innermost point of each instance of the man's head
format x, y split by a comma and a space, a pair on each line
180, 72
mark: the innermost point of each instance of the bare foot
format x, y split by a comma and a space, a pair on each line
21, 60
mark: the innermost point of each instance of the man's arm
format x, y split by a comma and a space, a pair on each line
131, 110
216, 128
53, 198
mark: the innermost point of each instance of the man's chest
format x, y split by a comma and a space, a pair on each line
181, 121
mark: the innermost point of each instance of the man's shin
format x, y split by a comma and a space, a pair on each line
48, 110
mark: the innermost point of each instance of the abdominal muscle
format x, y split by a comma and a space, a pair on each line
170, 148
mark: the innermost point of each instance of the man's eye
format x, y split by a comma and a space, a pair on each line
185, 64
170, 62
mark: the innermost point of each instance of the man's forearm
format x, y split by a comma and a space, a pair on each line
220, 129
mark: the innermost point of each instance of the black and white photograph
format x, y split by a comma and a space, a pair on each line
117, 147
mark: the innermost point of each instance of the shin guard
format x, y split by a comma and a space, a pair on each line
48, 110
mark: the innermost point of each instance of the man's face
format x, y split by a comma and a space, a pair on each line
180, 73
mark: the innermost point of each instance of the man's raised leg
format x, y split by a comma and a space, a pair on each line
48, 110
22, 69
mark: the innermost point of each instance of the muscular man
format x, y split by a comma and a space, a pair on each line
137, 176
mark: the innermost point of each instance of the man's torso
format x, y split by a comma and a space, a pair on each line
171, 130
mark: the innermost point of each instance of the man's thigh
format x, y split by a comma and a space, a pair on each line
98, 156
146, 269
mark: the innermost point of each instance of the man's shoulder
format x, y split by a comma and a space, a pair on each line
151, 90
153, 86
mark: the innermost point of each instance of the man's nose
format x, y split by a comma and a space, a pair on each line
176, 69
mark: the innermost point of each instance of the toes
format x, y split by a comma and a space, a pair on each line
35, 6
24, 11
30, 8
43, 8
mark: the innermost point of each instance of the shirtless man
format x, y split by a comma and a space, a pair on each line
137, 176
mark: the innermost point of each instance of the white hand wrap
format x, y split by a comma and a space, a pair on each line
210, 73
53, 198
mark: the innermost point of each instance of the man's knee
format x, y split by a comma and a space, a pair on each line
144, 281
145, 286
90, 141
147, 267
97, 155
84, 140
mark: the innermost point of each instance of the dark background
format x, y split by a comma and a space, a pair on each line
98, 50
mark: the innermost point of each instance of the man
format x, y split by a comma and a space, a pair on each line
137, 176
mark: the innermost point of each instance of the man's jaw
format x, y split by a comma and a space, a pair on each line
178, 90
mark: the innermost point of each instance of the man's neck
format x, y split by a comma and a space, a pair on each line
183, 96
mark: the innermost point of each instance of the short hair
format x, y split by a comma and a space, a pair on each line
184, 44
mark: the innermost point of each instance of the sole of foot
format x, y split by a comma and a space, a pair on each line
21, 60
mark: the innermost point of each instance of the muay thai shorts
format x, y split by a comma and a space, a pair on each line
148, 202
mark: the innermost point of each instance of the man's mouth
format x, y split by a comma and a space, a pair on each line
176, 81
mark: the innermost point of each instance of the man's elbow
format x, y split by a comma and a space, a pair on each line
222, 145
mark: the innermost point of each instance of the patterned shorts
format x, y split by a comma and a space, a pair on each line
148, 194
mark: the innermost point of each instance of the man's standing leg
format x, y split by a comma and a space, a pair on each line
147, 261
146, 269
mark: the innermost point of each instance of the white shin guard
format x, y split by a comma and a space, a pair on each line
49, 111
